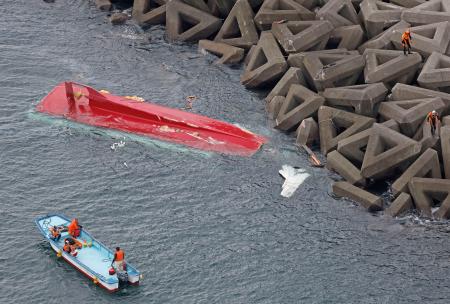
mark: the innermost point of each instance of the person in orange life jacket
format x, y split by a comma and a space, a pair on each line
74, 228
406, 39
71, 246
55, 233
433, 120
119, 258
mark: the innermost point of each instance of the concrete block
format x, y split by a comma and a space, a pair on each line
390, 67
378, 16
445, 121
296, 60
429, 12
354, 146
427, 191
300, 103
187, 23
362, 99
307, 132
239, 28
103, 5
274, 105
118, 18
148, 12
338, 163
297, 36
427, 165
366, 199
329, 70
335, 125
403, 92
435, 74
292, 76
349, 37
387, 150
278, 10
199, 4
445, 146
220, 8
410, 113
383, 40
266, 64
407, 3
402, 204
426, 138
339, 13
228, 54
426, 39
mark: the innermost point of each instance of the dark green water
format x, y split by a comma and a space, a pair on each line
203, 228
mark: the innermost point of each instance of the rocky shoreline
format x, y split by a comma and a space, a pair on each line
339, 79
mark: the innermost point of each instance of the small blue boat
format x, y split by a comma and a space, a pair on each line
93, 259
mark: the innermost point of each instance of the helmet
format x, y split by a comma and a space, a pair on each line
434, 112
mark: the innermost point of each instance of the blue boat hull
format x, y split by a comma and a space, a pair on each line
93, 259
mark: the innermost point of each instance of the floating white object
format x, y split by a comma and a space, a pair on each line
293, 179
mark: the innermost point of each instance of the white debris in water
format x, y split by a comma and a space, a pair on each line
293, 179
119, 144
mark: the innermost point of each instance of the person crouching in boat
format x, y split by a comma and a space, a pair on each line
55, 233
71, 246
74, 228
119, 260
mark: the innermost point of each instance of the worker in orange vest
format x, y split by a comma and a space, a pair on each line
406, 41
74, 228
119, 259
433, 120
55, 233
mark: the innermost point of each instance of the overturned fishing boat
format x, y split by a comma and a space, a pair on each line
86, 105
93, 259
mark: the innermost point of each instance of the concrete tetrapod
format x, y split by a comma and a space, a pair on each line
425, 191
338, 163
363, 99
378, 15
435, 74
428, 12
187, 23
307, 132
148, 12
300, 103
220, 8
390, 67
266, 63
296, 60
368, 200
199, 4
228, 54
383, 40
335, 124
426, 39
387, 150
427, 165
403, 203
445, 146
403, 92
278, 10
353, 147
410, 113
238, 28
274, 105
339, 13
408, 3
292, 76
348, 37
297, 36
329, 70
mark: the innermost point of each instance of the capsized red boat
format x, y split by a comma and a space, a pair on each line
86, 105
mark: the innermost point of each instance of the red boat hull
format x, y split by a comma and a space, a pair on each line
85, 105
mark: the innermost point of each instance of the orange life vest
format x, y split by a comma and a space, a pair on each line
66, 248
432, 118
55, 233
74, 229
120, 255
406, 36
